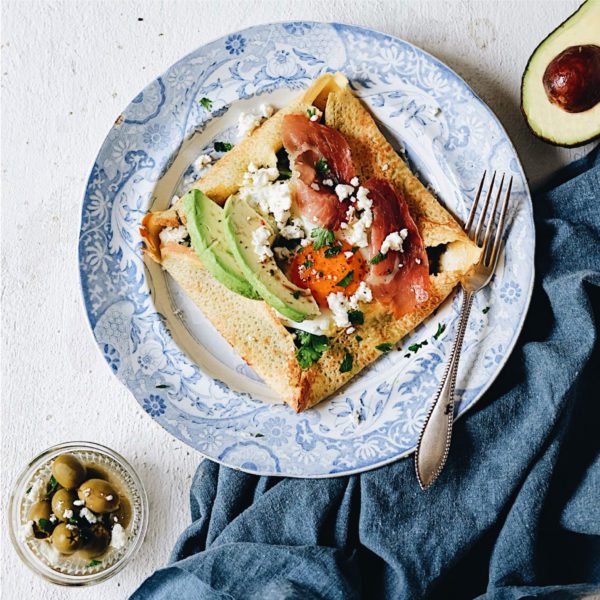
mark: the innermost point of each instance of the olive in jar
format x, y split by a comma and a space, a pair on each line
62, 502
99, 495
66, 538
68, 470
98, 539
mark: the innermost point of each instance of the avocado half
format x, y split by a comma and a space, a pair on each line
560, 89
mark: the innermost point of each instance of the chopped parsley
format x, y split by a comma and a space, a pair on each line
359, 338
356, 317
222, 146
322, 237
52, 486
345, 282
440, 329
296, 295
259, 435
354, 249
321, 167
307, 264
377, 258
385, 347
311, 348
486, 310
311, 112
206, 103
346, 363
28, 490
94, 563
46, 526
162, 386
416, 347
332, 251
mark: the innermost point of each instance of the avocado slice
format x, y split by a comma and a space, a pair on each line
266, 277
560, 90
205, 225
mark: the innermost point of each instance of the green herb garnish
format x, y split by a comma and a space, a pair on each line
258, 435
354, 249
332, 251
311, 112
322, 237
356, 317
486, 310
28, 490
377, 258
307, 264
358, 338
52, 486
417, 347
222, 146
206, 102
46, 526
94, 563
346, 363
321, 167
385, 347
162, 386
296, 295
345, 282
311, 348
440, 329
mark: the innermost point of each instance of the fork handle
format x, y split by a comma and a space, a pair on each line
434, 442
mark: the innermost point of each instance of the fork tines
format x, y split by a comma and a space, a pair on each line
488, 232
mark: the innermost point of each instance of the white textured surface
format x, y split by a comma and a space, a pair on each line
68, 69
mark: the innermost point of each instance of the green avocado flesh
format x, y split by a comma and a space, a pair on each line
266, 277
546, 118
205, 226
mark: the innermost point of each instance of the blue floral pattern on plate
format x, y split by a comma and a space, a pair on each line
172, 360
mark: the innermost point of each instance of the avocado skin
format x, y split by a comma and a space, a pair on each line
268, 280
521, 105
205, 226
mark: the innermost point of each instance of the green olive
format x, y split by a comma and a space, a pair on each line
99, 495
66, 538
40, 510
68, 470
122, 514
97, 542
63, 501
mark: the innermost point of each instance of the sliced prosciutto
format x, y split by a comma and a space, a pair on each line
318, 153
400, 279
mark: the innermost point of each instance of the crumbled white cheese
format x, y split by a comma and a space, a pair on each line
118, 538
394, 241
338, 304
26, 531
307, 242
67, 513
418, 261
314, 114
385, 167
53, 518
343, 191
356, 233
37, 491
362, 197
293, 230
349, 254
174, 200
328, 182
202, 161
70, 526
109, 497
174, 234
350, 330
266, 195
343, 225
362, 294
420, 294
88, 515
354, 181
248, 122
315, 186
266, 110
78, 502
260, 240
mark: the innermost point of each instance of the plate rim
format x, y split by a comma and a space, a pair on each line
526, 304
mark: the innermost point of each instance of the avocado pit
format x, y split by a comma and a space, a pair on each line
572, 79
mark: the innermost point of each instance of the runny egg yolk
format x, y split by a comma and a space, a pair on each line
322, 270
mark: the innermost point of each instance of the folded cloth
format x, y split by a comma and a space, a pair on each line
515, 513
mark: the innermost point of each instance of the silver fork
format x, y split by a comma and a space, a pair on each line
434, 441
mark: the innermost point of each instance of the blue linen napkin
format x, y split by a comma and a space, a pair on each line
516, 512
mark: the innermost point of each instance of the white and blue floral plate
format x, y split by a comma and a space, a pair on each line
170, 357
